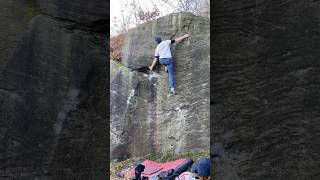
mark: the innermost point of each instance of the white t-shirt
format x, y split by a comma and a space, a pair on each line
163, 49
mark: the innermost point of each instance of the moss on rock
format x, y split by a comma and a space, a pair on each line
31, 10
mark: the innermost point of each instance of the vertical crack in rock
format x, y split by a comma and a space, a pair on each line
152, 115
68, 105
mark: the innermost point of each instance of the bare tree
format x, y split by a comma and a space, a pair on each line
193, 6
128, 17
135, 12
205, 8
145, 15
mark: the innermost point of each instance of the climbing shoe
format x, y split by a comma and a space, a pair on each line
172, 92
165, 69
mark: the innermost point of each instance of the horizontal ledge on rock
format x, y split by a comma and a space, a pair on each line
97, 26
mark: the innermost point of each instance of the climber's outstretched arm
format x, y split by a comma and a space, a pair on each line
179, 39
153, 63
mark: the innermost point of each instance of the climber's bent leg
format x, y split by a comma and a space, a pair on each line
170, 74
169, 64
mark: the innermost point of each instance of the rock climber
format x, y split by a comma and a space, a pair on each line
200, 171
163, 54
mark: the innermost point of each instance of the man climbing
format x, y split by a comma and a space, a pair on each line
163, 54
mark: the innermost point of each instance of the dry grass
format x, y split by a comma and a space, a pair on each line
116, 44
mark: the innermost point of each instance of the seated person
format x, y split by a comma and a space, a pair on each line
200, 171
137, 173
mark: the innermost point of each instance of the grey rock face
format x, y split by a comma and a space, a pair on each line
92, 14
140, 44
14, 18
53, 103
144, 118
265, 98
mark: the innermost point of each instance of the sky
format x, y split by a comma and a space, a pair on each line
115, 10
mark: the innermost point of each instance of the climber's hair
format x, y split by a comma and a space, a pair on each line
158, 39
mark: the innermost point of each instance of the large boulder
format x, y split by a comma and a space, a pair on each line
53, 103
139, 45
14, 18
265, 99
144, 118
91, 14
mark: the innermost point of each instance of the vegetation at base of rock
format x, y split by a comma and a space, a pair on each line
115, 47
170, 157
116, 166
115, 66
